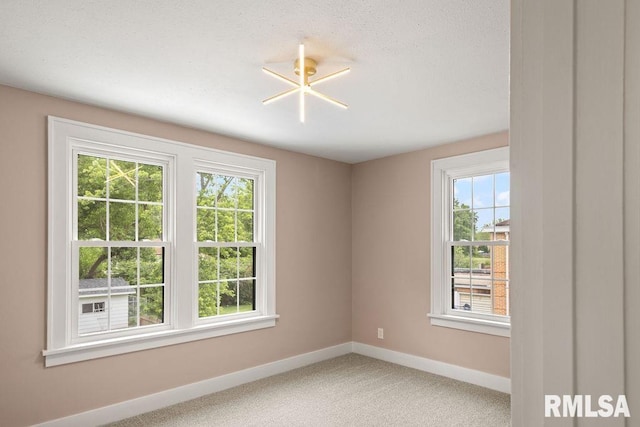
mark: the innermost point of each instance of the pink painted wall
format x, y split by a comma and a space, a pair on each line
391, 260
352, 255
313, 271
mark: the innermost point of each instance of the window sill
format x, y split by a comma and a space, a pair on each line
468, 324
112, 347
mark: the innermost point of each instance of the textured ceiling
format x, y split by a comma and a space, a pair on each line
424, 72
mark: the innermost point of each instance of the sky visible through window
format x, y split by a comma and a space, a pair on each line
487, 195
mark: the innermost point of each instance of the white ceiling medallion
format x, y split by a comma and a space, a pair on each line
303, 85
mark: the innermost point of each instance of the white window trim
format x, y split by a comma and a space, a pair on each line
181, 322
442, 172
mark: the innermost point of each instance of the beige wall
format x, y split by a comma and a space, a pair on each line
391, 257
324, 288
313, 271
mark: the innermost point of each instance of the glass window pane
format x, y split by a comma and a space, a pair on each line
502, 189
480, 283
500, 258
247, 263
483, 223
483, 191
481, 301
245, 227
462, 193
150, 183
226, 226
500, 299
461, 299
122, 221
245, 193
502, 214
92, 314
152, 266
92, 265
208, 264
124, 268
92, 220
480, 295
206, 225
122, 180
208, 300
502, 223
206, 189
228, 263
124, 310
463, 223
226, 189
461, 274
481, 260
92, 176
229, 297
246, 295
151, 305
149, 222
461, 259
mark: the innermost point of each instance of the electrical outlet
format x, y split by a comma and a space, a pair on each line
380, 333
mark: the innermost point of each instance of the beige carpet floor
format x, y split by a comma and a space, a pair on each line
350, 390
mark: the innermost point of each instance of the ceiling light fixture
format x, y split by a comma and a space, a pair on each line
304, 67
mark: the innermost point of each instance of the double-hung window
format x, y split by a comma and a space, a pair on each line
153, 242
120, 240
470, 242
226, 249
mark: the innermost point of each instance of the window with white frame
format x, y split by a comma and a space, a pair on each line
95, 307
153, 242
120, 237
470, 214
226, 248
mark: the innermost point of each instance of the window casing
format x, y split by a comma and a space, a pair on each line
470, 242
125, 225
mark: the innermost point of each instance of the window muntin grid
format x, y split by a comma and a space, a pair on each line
66, 139
226, 243
478, 243
120, 241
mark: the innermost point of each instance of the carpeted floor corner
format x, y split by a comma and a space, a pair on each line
350, 390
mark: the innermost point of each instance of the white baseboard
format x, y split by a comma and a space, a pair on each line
131, 408
494, 382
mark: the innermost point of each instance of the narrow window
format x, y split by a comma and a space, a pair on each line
470, 230
120, 245
479, 243
227, 249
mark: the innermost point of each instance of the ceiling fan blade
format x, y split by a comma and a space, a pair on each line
329, 76
327, 98
280, 77
302, 79
280, 95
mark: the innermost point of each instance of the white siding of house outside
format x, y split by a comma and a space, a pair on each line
481, 303
96, 322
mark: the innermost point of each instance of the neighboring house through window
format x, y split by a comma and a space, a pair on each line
153, 242
470, 242
93, 295
93, 307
